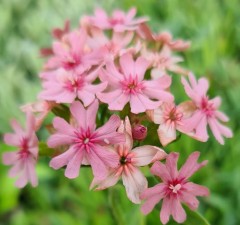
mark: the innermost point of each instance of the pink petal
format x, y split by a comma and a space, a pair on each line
221, 116
59, 139
134, 182
141, 66
160, 170
63, 159
191, 166
111, 179
201, 129
178, 212
190, 200
166, 209
17, 168
31, 171
12, 139
22, 180
119, 102
166, 133
79, 113
127, 64
73, 166
145, 154
196, 189
107, 133
202, 87
62, 126
91, 114
171, 164
10, 158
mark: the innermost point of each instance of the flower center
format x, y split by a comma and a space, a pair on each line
71, 61
173, 115
175, 188
84, 139
131, 85
207, 107
73, 85
115, 21
23, 152
124, 160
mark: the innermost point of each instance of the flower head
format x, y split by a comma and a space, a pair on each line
119, 21
175, 188
129, 85
206, 111
23, 160
86, 143
129, 161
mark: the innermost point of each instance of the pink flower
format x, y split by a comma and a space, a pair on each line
40, 109
129, 161
170, 119
72, 53
111, 48
206, 111
23, 160
119, 21
128, 85
86, 143
175, 188
62, 86
163, 61
164, 38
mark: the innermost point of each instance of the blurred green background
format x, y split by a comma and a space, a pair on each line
214, 30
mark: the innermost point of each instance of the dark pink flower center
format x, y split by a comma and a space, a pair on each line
74, 85
125, 160
207, 107
131, 85
71, 61
84, 139
175, 188
116, 21
172, 114
24, 152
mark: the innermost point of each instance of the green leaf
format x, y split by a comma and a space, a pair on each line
44, 150
62, 111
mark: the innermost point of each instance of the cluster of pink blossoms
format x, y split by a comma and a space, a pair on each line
117, 63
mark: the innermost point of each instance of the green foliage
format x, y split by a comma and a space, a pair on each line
213, 27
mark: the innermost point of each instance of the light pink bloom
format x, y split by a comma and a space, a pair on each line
72, 54
119, 21
62, 86
110, 47
206, 112
23, 160
129, 161
86, 143
129, 86
170, 119
163, 61
40, 109
175, 188
165, 38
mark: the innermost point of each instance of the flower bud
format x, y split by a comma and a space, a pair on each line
139, 132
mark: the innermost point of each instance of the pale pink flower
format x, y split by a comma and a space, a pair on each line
119, 21
128, 85
86, 143
63, 86
40, 109
110, 47
206, 111
170, 119
164, 38
23, 160
129, 161
175, 188
72, 53
163, 61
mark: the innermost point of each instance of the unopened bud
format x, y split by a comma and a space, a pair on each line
139, 132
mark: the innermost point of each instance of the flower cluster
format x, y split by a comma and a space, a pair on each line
108, 82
